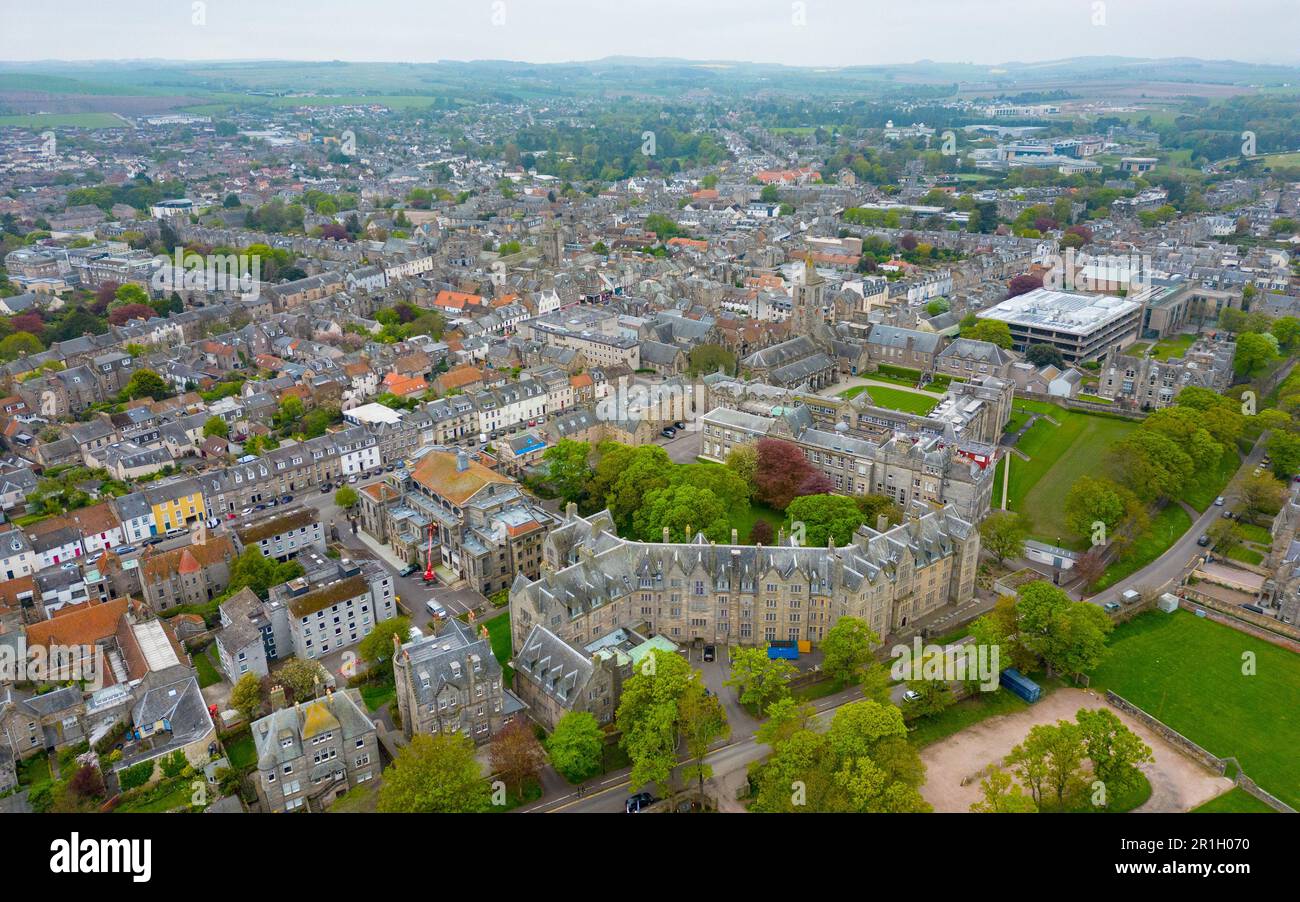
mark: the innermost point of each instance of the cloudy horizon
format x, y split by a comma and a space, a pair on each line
829, 33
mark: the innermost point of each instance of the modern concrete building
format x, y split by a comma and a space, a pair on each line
1080, 326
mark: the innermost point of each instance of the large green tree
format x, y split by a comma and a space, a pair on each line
576, 746
435, 775
759, 681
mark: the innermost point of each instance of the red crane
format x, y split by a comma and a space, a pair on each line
428, 557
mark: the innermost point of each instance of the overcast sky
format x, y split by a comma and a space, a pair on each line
833, 32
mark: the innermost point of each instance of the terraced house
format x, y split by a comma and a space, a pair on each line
334, 604
594, 582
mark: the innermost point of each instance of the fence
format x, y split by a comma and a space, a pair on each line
1194, 751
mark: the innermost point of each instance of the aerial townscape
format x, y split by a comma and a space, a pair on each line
647, 435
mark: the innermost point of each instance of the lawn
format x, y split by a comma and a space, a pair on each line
1059, 455
1246, 555
908, 401
206, 667
240, 750
499, 635
1176, 346
743, 521
1201, 491
1234, 801
1187, 671
34, 771
377, 695
1166, 528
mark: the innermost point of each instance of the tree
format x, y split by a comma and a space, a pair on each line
376, 649
770, 194
990, 330
254, 571
1254, 354
706, 359
1003, 534
743, 461
873, 506
567, 468
517, 755
246, 696
346, 497
20, 344
684, 510
761, 533
781, 472
648, 714
1042, 355
1050, 760
937, 307
785, 717
288, 414
1225, 535
1286, 330
87, 783
434, 775
759, 681
146, 384
701, 722
1093, 500
119, 315
1284, 450
847, 648
1150, 464
1089, 567
1262, 494
576, 746
824, 517
931, 696
1023, 284
302, 677
1114, 750
1003, 795
1069, 636
216, 426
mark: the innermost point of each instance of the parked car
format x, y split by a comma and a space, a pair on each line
1110, 607
679, 425
123, 549
1204, 540
638, 802
437, 610
709, 652
352, 478
1219, 502
668, 432
390, 468
911, 695
285, 499
408, 569
245, 512
325, 488
231, 515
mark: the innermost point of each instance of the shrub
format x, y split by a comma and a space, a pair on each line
136, 775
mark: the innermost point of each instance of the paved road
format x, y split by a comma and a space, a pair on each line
685, 448
1171, 565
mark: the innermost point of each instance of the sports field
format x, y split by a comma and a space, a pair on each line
1187, 671
897, 399
1059, 455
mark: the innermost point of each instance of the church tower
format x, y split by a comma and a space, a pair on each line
809, 298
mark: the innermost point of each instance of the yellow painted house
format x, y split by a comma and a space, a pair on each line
176, 504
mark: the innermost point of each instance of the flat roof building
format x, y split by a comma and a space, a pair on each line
1080, 326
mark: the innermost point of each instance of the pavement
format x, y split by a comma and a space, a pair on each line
685, 448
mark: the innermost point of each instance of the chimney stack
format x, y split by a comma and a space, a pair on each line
462, 461
277, 697
882, 523
735, 537
666, 534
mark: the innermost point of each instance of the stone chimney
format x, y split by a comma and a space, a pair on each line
462, 461
882, 523
667, 531
277, 697
735, 537
570, 511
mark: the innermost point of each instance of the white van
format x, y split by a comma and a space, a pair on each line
414, 634
1131, 596
437, 610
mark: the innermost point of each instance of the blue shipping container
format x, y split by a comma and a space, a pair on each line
1014, 681
787, 650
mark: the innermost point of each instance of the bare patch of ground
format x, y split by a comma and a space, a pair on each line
1177, 782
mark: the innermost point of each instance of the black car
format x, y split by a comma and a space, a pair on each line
325, 488
285, 499
679, 425
408, 570
1204, 540
638, 802
709, 652
390, 468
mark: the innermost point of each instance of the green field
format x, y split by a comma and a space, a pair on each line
1167, 527
1176, 346
895, 399
63, 120
1234, 801
1059, 455
499, 635
1187, 672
